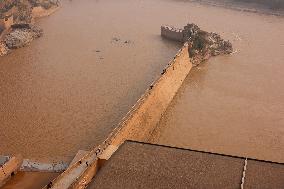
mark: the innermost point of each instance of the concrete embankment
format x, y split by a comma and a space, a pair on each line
137, 125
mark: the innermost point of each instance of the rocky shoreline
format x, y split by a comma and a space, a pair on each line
17, 22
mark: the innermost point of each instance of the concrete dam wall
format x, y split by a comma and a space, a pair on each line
146, 113
138, 124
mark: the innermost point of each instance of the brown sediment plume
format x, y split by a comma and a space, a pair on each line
17, 19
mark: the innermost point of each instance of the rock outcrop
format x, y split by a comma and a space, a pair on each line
22, 36
202, 44
20, 30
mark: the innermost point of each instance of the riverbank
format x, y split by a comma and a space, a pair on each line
250, 6
17, 33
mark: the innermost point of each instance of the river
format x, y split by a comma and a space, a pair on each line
232, 104
70, 88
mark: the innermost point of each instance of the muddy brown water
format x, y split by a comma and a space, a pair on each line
70, 88
233, 104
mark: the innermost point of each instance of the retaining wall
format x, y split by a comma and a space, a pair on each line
137, 125
144, 116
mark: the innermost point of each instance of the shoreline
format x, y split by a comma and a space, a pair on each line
242, 7
40, 12
37, 13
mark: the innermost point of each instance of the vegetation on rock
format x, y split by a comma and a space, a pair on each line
204, 44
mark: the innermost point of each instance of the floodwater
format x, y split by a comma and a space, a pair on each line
232, 104
70, 88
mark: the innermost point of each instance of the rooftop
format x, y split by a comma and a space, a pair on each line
141, 165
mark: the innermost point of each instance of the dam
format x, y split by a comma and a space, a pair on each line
81, 105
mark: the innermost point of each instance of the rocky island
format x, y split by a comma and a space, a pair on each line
17, 18
202, 44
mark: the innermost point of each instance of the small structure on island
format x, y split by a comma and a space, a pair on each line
202, 44
172, 33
